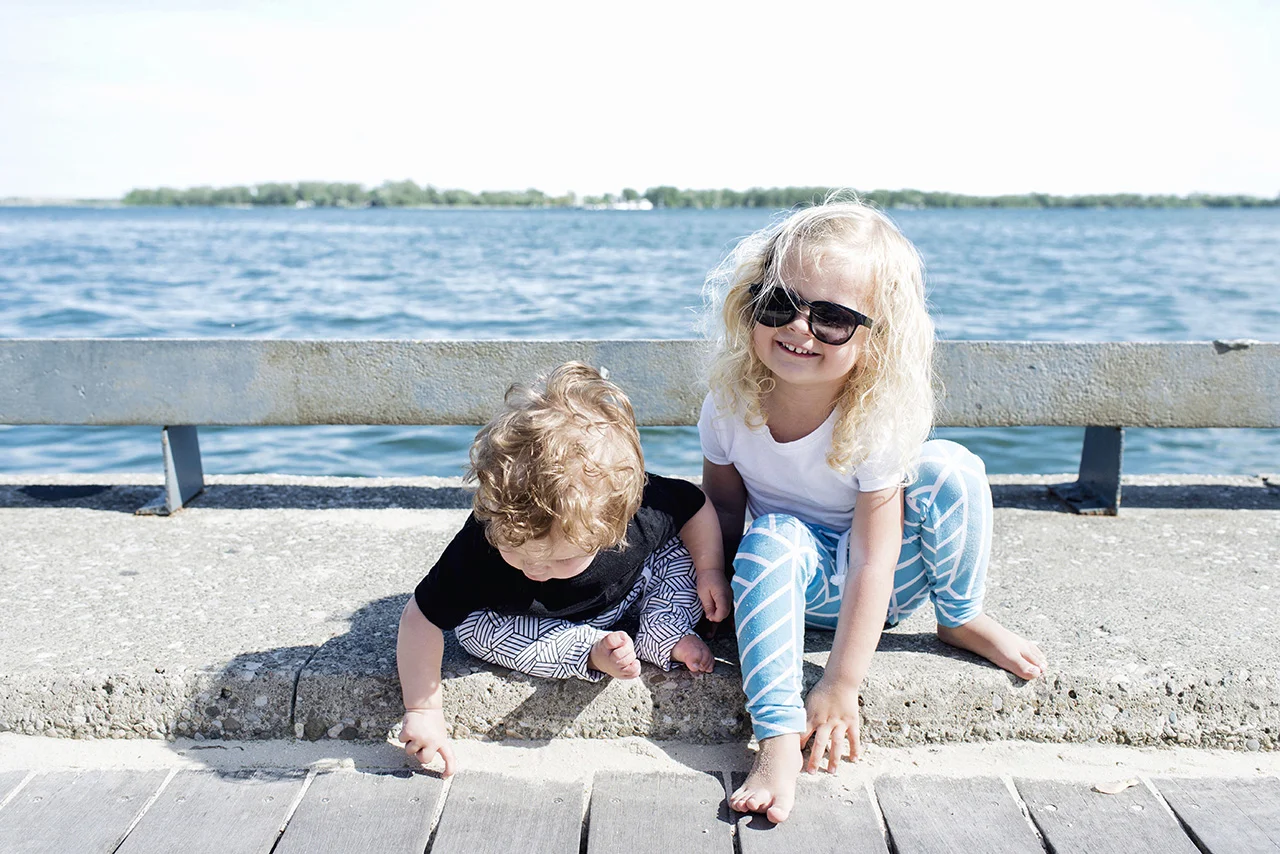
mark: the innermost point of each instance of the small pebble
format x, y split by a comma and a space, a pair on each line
1252, 744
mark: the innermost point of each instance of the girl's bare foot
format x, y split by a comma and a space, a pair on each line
998, 645
771, 786
615, 654
693, 654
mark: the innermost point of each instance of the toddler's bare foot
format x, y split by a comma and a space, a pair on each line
770, 788
694, 654
615, 654
998, 645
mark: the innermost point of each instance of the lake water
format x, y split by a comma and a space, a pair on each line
1062, 275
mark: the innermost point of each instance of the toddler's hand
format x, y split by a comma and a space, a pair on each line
715, 595
832, 713
424, 735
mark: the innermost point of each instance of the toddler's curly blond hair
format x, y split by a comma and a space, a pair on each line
563, 456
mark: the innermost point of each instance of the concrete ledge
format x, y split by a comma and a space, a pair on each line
269, 608
225, 381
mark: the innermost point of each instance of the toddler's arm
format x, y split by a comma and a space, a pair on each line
419, 648
724, 486
832, 705
701, 536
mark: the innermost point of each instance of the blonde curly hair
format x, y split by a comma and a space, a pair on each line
887, 403
564, 455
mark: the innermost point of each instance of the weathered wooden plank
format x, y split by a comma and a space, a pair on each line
936, 814
831, 816
85, 812
205, 812
9, 781
658, 812
1073, 817
346, 811
487, 813
1228, 816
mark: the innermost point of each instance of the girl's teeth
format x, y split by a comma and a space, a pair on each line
795, 350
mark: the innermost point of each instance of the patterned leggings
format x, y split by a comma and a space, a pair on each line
558, 649
788, 573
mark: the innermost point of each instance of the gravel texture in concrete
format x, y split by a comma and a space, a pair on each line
268, 609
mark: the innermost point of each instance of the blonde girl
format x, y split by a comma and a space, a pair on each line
817, 423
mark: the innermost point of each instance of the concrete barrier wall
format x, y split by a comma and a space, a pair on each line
260, 382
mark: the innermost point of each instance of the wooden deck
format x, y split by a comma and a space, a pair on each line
292, 811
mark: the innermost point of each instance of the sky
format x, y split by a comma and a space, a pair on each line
1088, 96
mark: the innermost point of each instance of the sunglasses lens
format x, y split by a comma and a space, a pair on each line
776, 310
831, 325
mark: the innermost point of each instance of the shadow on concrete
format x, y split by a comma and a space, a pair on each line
128, 498
117, 498
1203, 496
1200, 497
347, 689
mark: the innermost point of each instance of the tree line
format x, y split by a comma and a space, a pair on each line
410, 194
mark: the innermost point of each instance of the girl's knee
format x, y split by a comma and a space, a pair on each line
773, 541
940, 455
768, 538
950, 473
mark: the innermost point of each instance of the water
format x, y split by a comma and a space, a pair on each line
1063, 275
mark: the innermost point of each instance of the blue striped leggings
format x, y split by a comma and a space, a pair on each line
789, 574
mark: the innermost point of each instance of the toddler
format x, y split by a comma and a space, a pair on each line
820, 406
566, 535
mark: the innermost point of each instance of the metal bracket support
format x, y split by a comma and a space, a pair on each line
183, 472
1096, 491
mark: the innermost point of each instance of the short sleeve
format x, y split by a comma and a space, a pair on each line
876, 473
455, 585
679, 499
712, 433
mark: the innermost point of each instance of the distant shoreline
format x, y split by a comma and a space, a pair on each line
407, 194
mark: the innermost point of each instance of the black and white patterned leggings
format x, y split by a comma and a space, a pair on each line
559, 649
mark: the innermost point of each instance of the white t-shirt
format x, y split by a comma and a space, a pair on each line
789, 477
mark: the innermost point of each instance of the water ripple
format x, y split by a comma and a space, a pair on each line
1023, 275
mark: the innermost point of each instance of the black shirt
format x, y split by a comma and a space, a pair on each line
472, 576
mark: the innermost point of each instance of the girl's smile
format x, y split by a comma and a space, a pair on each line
791, 352
799, 351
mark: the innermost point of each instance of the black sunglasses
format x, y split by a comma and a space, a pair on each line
829, 322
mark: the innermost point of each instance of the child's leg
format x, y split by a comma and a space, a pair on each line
782, 565
945, 551
541, 646
779, 566
670, 610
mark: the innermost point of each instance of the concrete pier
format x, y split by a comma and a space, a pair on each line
268, 609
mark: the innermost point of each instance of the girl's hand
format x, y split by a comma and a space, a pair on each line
424, 735
833, 715
714, 593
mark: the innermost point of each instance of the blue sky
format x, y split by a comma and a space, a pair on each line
1124, 95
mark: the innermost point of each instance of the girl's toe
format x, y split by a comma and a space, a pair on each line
779, 811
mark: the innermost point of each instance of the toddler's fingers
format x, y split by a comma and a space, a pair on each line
837, 752
821, 741
423, 754
711, 606
724, 602
450, 762
411, 745
855, 744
